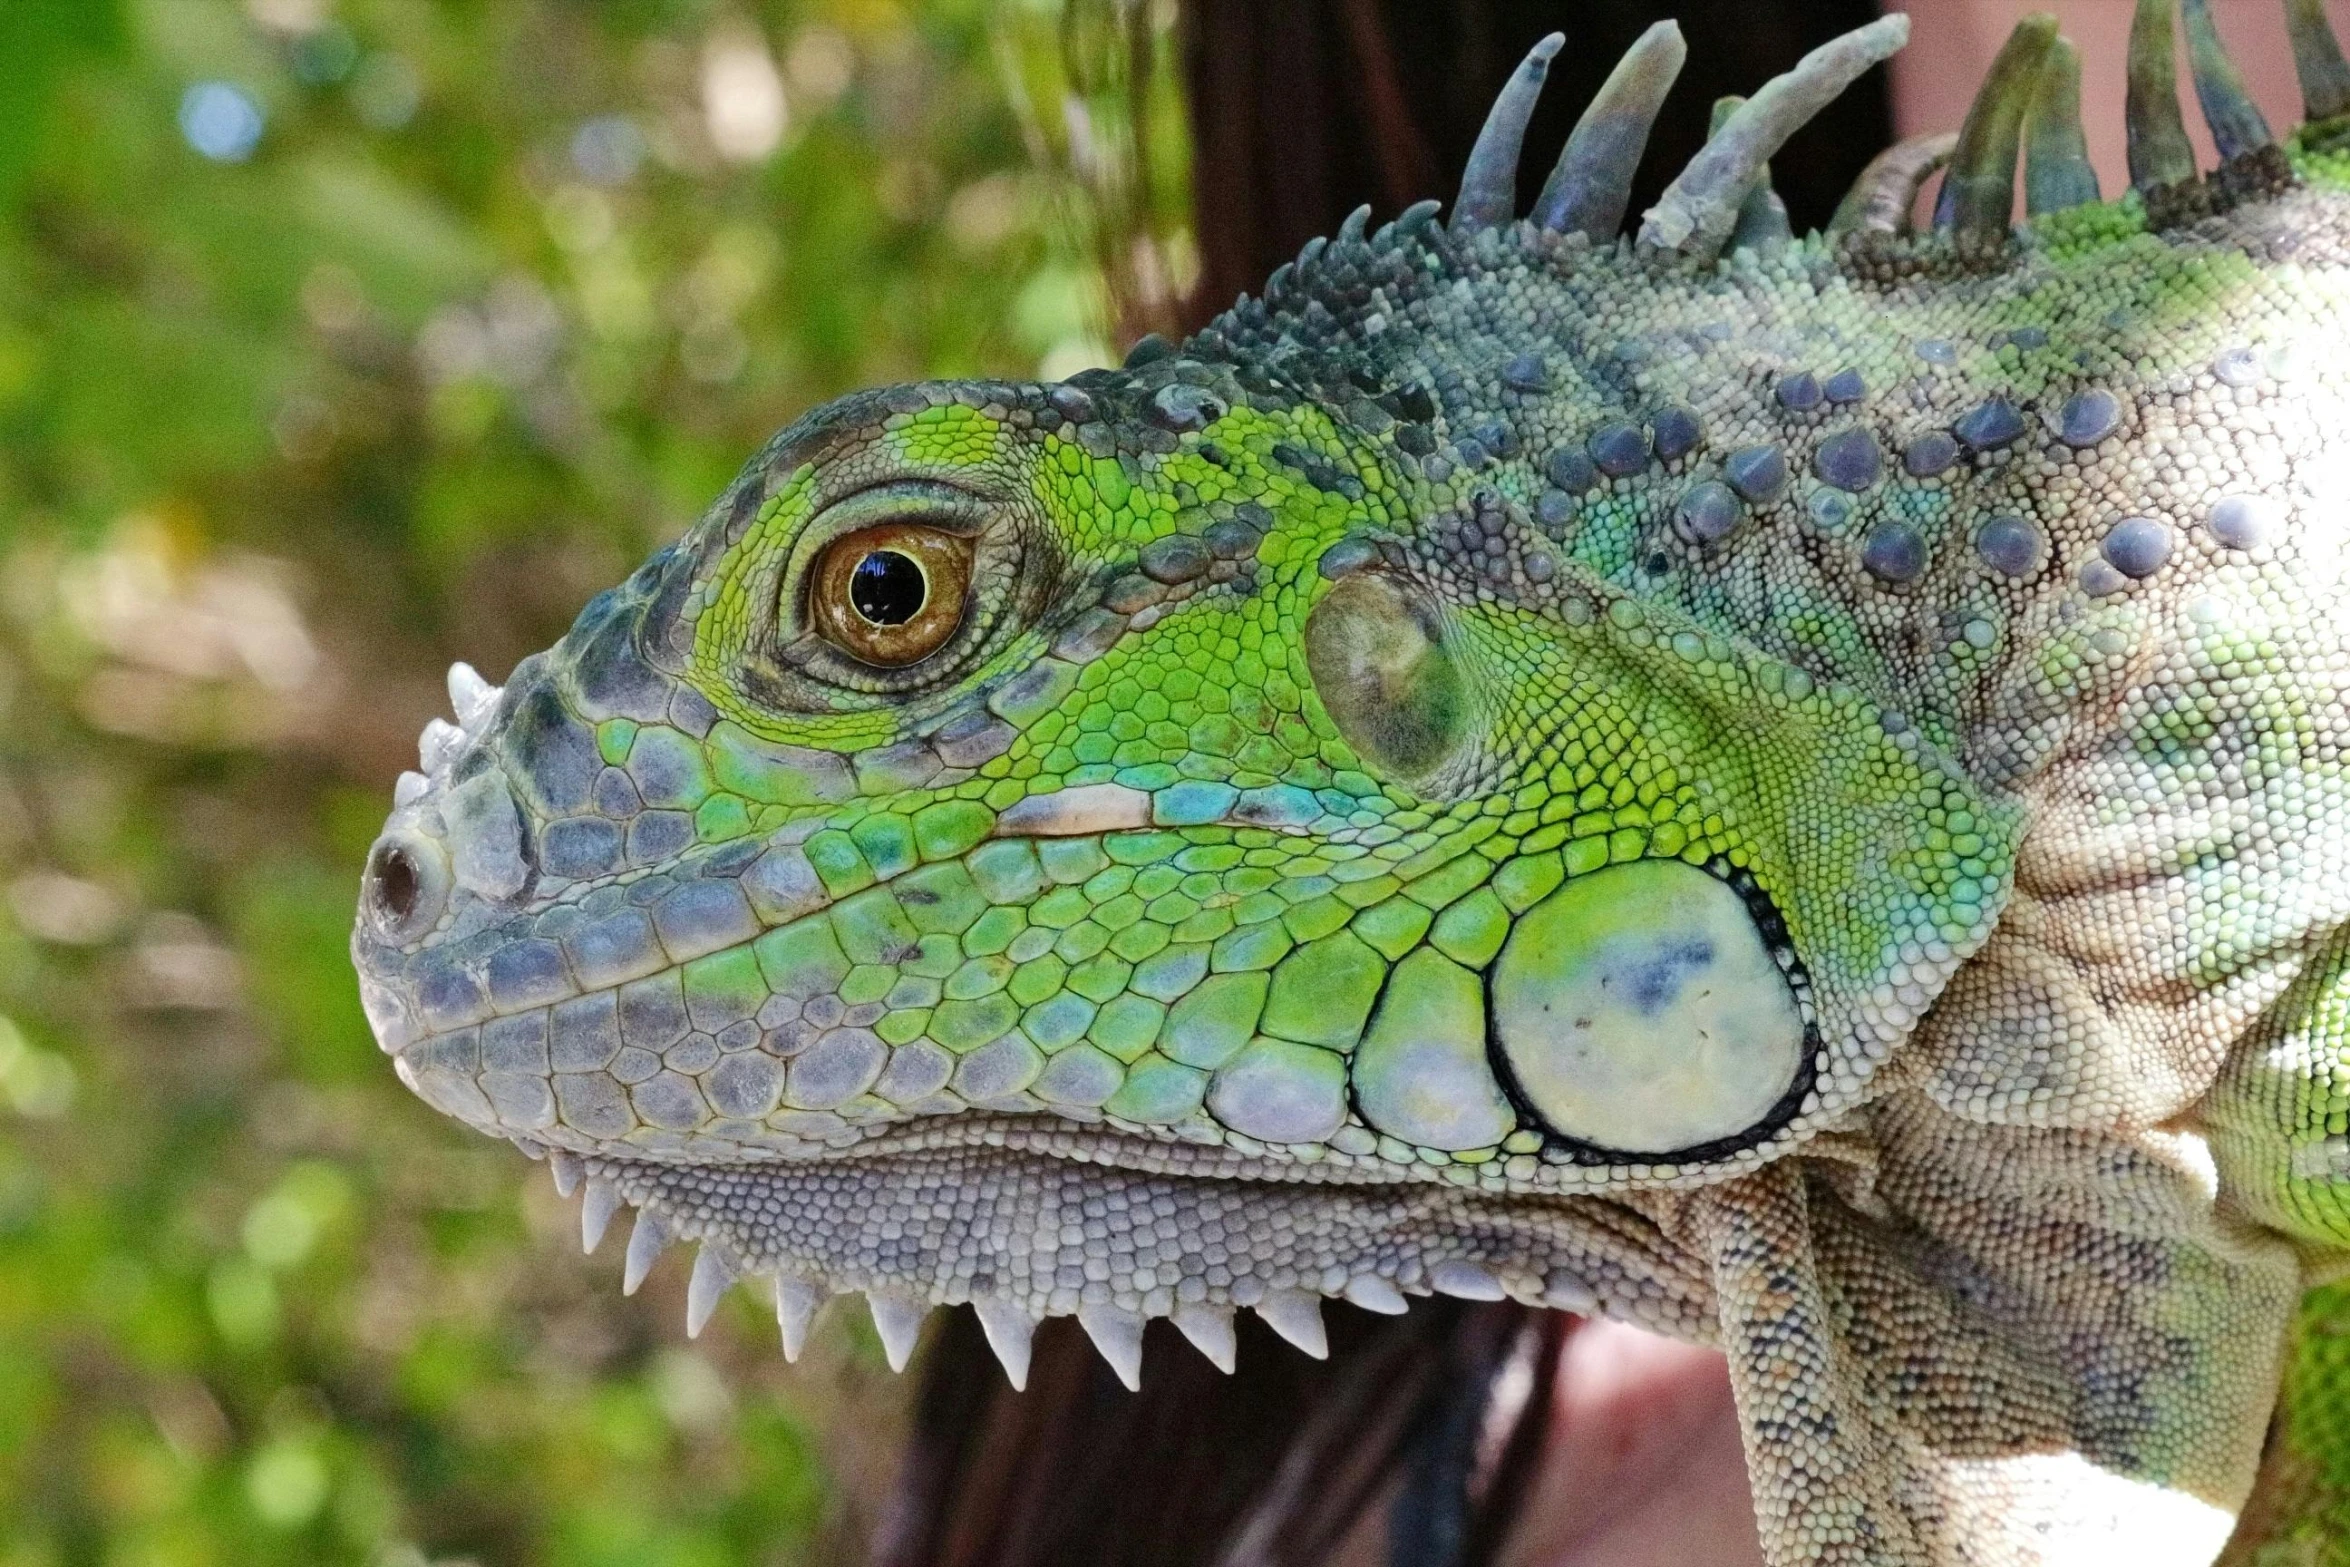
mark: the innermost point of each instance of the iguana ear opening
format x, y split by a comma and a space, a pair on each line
405, 886
1641, 1009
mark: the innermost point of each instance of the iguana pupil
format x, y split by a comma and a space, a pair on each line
887, 588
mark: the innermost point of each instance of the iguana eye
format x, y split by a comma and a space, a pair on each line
891, 595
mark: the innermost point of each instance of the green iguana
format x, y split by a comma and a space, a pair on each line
1792, 791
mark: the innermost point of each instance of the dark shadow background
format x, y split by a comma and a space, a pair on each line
1304, 109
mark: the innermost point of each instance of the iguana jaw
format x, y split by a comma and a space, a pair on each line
1021, 1216
1024, 1216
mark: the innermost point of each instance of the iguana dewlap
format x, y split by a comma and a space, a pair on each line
1788, 790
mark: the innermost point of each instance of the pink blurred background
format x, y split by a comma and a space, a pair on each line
1952, 41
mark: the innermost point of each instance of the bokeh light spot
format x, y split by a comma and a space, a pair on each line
286, 1483
221, 121
607, 149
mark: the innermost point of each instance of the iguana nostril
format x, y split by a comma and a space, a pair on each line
1375, 648
405, 887
394, 883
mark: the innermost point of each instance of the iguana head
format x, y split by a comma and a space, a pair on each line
1348, 806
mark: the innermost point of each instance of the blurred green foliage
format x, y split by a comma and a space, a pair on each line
338, 340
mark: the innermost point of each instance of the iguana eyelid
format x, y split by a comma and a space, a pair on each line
925, 502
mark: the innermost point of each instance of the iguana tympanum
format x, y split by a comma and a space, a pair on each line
1789, 790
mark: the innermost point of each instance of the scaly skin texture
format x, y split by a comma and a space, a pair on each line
1797, 800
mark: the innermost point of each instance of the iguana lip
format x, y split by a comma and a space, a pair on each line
1022, 1235
1076, 813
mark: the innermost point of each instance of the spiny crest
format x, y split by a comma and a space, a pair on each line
1317, 328
1699, 209
2028, 108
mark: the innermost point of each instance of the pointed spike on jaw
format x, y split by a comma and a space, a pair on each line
796, 1301
2057, 171
646, 1242
1297, 1317
1564, 1291
1373, 1292
1699, 209
567, 1169
898, 1323
2237, 125
1209, 1328
1592, 183
1466, 1281
1011, 1333
2317, 61
714, 1273
1978, 189
1117, 1333
595, 1212
1882, 199
1489, 185
2159, 152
